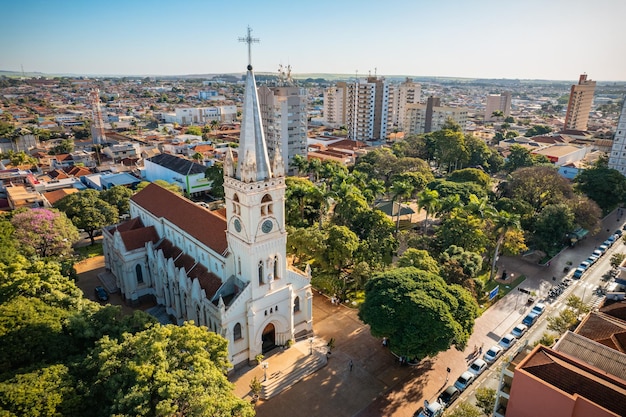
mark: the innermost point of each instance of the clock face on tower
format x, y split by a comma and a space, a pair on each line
237, 225
267, 226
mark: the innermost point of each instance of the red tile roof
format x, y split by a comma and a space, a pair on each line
208, 281
56, 195
206, 226
137, 238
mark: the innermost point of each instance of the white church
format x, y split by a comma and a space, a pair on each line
224, 269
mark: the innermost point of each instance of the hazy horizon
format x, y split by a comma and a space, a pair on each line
537, 40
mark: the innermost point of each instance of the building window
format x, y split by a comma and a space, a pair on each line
296, 305
239, 264
276, 267
139, 273
260, 272
237, 332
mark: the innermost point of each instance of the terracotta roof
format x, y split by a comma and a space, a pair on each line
131, 224
76, 171
204, 148
56, 195
617, 310
347, 144
604, 329
137, 238
208, 281
58, 174
206, 226
574, 377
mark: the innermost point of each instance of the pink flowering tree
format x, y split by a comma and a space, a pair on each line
44, 232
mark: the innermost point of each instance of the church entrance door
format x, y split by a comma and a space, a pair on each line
269, 338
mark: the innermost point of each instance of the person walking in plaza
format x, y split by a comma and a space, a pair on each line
350, 365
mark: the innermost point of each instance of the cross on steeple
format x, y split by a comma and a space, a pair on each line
249, 40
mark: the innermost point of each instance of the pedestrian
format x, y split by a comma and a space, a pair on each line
480, 351
350, 365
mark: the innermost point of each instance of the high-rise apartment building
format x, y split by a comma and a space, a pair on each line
335, 102
407, 92
498, 102
430, 117
579, 106
283, 112
617, 158
368, 115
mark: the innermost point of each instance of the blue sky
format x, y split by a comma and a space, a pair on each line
533, 39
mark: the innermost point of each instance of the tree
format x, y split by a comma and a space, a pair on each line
577, 305
465, 409
193, 130
538, 186
604, 185
300, 163
215, 174
617, 259
462, 229
44, 232
546, 339
470, 262
502, 223
428, 201
418, 312
66, 146
471, 175
118, 196
175, 188
301, 202
400, 190
552, 225
519, 157
486, 399
88, 211
563, 322
419, 259
164, 370
537, 130
450, 149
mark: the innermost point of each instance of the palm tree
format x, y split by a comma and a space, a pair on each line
214, 125
198, 157
400, 189
300, 163
503, 221
429, 201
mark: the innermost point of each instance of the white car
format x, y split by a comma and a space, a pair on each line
519, 330
464, 380
538, 309
477, 367
507, 341
493, 353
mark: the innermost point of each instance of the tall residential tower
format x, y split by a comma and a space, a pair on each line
579, 106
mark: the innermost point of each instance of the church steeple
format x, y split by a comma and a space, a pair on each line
253, 163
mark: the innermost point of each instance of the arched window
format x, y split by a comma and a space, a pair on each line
139, 273
237, 332
266, 205
276, 267
239, 264
296, 305
260, 272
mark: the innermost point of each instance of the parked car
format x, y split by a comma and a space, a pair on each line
493, 353
464, 380
101, 294
530, 319
578, 273
448, 396
603, 247
538, 309
477, 367
519, 330
584, 265
598, 252
507, 341
618, 232
434, 409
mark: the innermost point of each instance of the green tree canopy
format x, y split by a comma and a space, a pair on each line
419, 259
88, 211
175, 188
118, 196
193, 130
471, 175
605, 186
418, 312
164, 370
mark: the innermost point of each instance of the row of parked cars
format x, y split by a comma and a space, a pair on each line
597, 253
479, 365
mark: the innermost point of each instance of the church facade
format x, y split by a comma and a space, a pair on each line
224, 269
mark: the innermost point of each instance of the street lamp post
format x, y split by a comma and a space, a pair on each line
310, 345
265, 365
